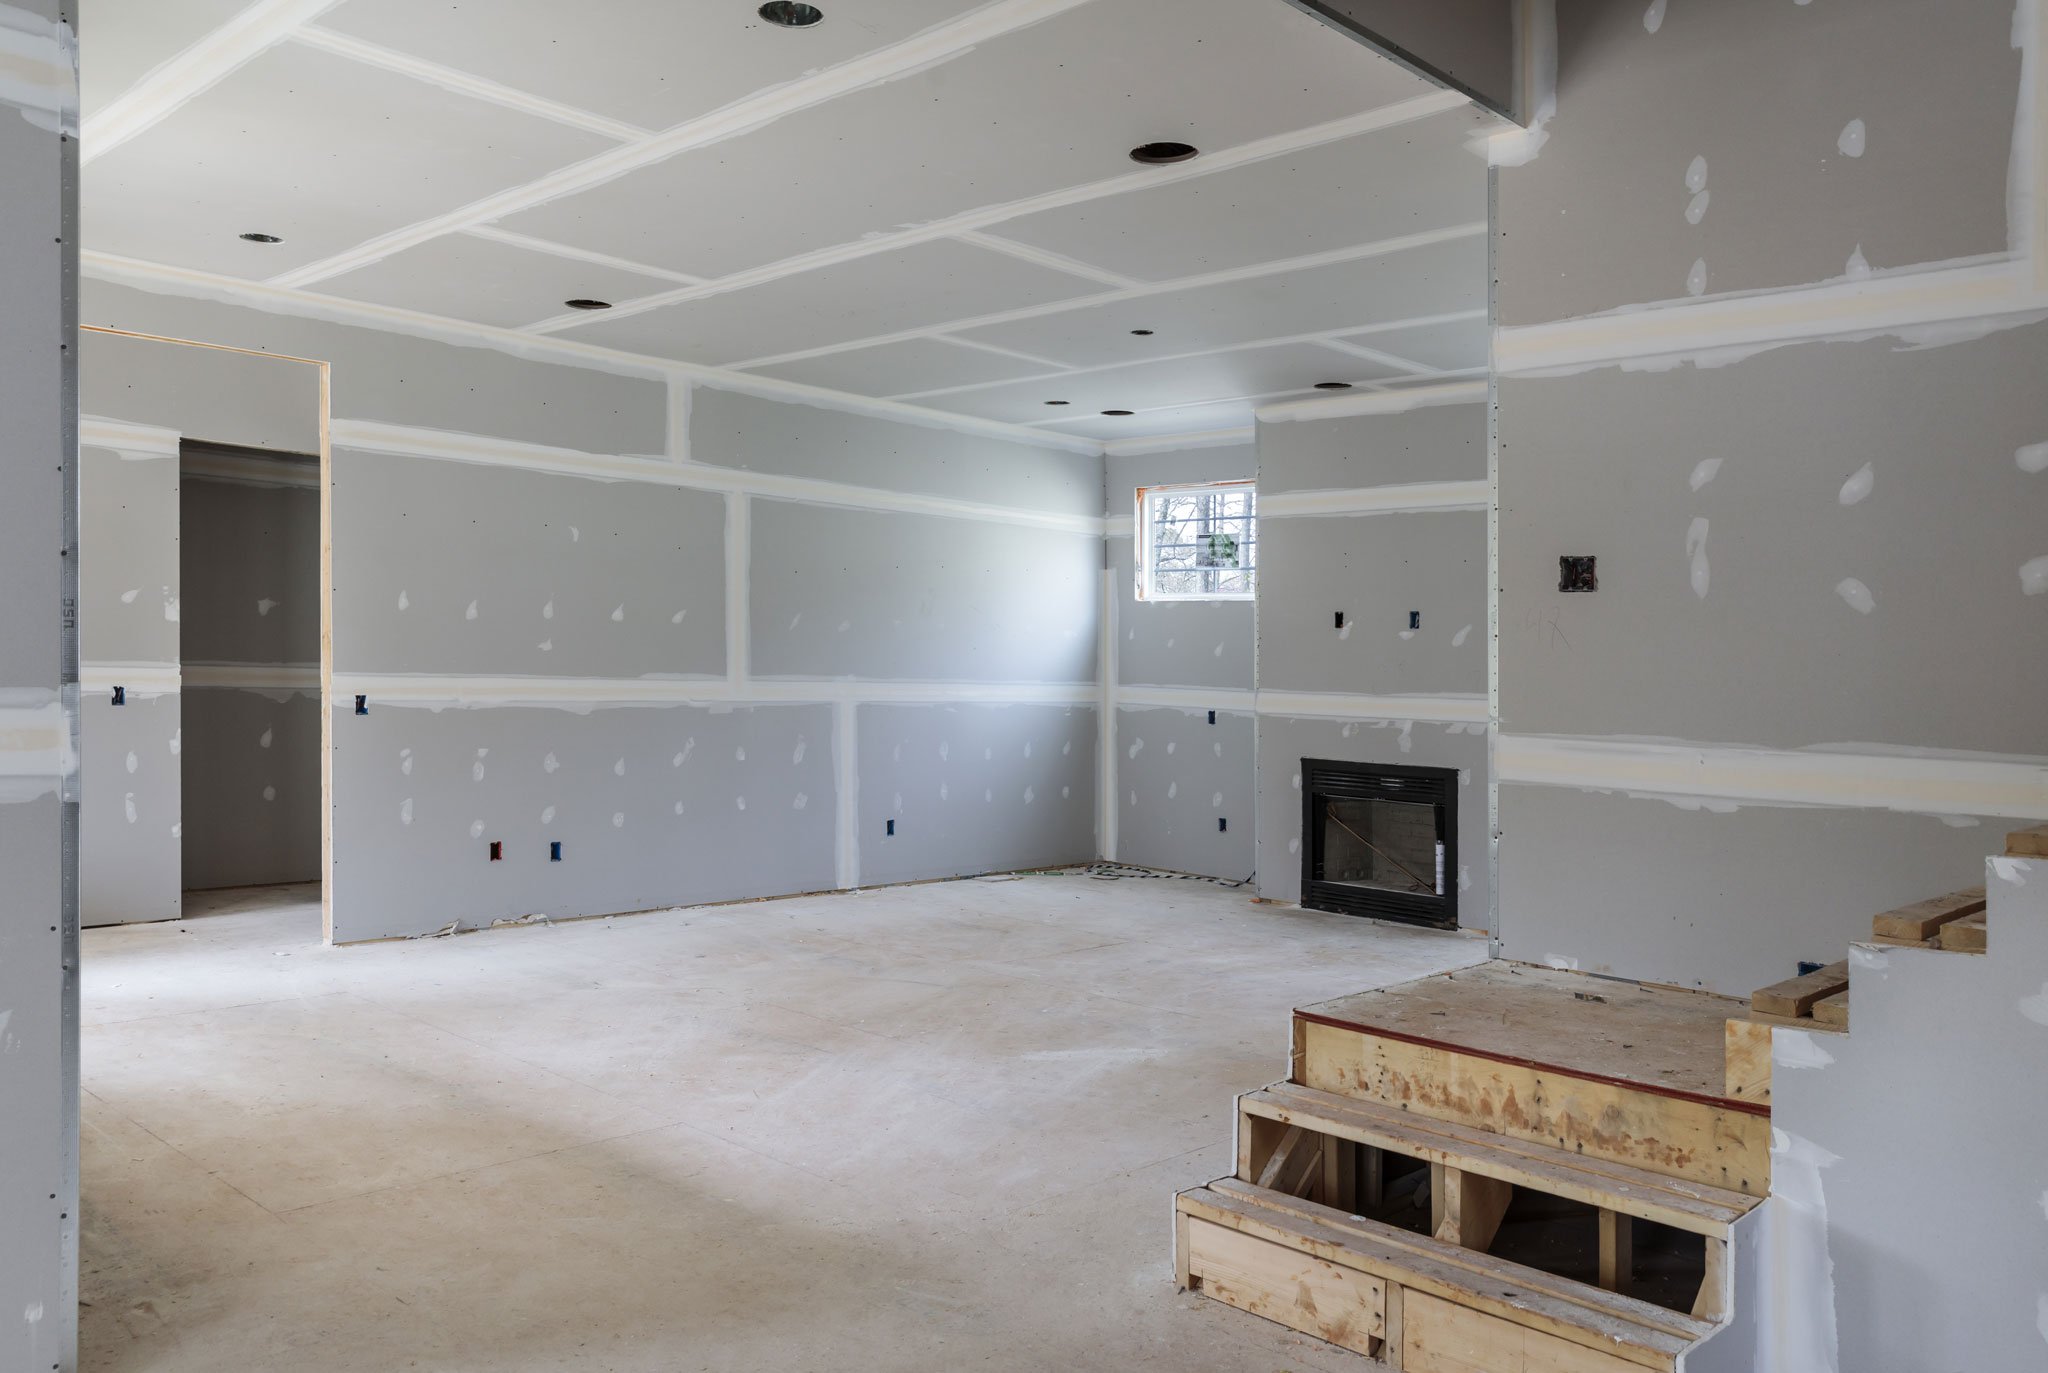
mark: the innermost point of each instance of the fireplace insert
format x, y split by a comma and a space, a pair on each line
1380, 840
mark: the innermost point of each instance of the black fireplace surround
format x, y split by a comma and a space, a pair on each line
1380, 840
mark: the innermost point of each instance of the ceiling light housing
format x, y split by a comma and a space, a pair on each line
1119, 412
1162, 154
584, 303
1059, 402
261, 238
1142, 333
1333, 386
791, 15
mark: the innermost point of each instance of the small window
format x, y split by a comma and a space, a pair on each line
1197, 543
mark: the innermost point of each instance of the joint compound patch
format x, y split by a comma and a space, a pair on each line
1696, 551
1856, 595
1798, 1049
2035, 1007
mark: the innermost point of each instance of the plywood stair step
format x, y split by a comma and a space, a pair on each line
1968, 935
1792, 1001
1697, 1207
1921, 922
1418, 1303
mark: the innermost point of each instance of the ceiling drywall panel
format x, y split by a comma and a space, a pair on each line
914, 364
1451, 346
1439, 278
654, 63
121, 41
317, 149
926, 284
1386, 184
487, 281
1055, 105
1171, 381
1171, 419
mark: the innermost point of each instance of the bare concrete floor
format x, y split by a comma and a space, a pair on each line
929, 1127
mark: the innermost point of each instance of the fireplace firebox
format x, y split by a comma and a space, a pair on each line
1380, 840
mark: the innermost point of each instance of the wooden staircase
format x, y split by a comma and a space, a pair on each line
1955, 923
1513, 1168
1474, 1202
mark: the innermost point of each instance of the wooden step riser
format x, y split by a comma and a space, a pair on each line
1411, 1302
1677, 1136
1345, 1127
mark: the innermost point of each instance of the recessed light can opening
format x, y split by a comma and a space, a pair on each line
1159, 154
1333, 386
791, 15
1142, 333
1119, 412
584, 303
261, 238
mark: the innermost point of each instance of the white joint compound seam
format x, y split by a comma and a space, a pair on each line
1918, 783
372, 437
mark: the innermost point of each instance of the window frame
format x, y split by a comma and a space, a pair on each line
1142, 541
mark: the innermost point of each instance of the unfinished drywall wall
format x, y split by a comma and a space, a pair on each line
251, 618
698, 640
1373, 632
1707, 149
1874, 1269
176, 431
1182, 681
1816, 517
38, 809
130, 605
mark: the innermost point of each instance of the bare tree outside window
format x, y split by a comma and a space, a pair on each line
1199, 543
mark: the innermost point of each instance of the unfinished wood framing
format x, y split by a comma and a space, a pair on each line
1969, 935
1832, 1011
1466, 1208
1747, 1045
2027, 843
1725, 1143
1617, 1250
1919, 922
1794, 997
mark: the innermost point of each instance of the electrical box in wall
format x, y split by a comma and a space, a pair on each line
1578, 572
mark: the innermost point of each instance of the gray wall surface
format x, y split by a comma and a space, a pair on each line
1744, 635
1817, 547
453, 568
653, 806
1376, 569
974, 789
1172, 766
130, 612
38, 902
1764, 94
1878, 1272
1177, 775
251, 600
919, 597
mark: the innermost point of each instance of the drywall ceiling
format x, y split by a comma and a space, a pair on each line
929, 201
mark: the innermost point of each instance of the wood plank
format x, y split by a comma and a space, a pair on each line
1617, 1251
1344, 1306
1790, 1022
1832, 1011
1794, 997
1712, 1303
1966, 936
1467, 1207
1747, 1050
1921, 919
1183, 1275
1691, 1206
2027, 843
1294, 1163
1340, 1174
1440, 1337
1724, 1146
1476, 1277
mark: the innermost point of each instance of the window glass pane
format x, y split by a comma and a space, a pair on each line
1202, 541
